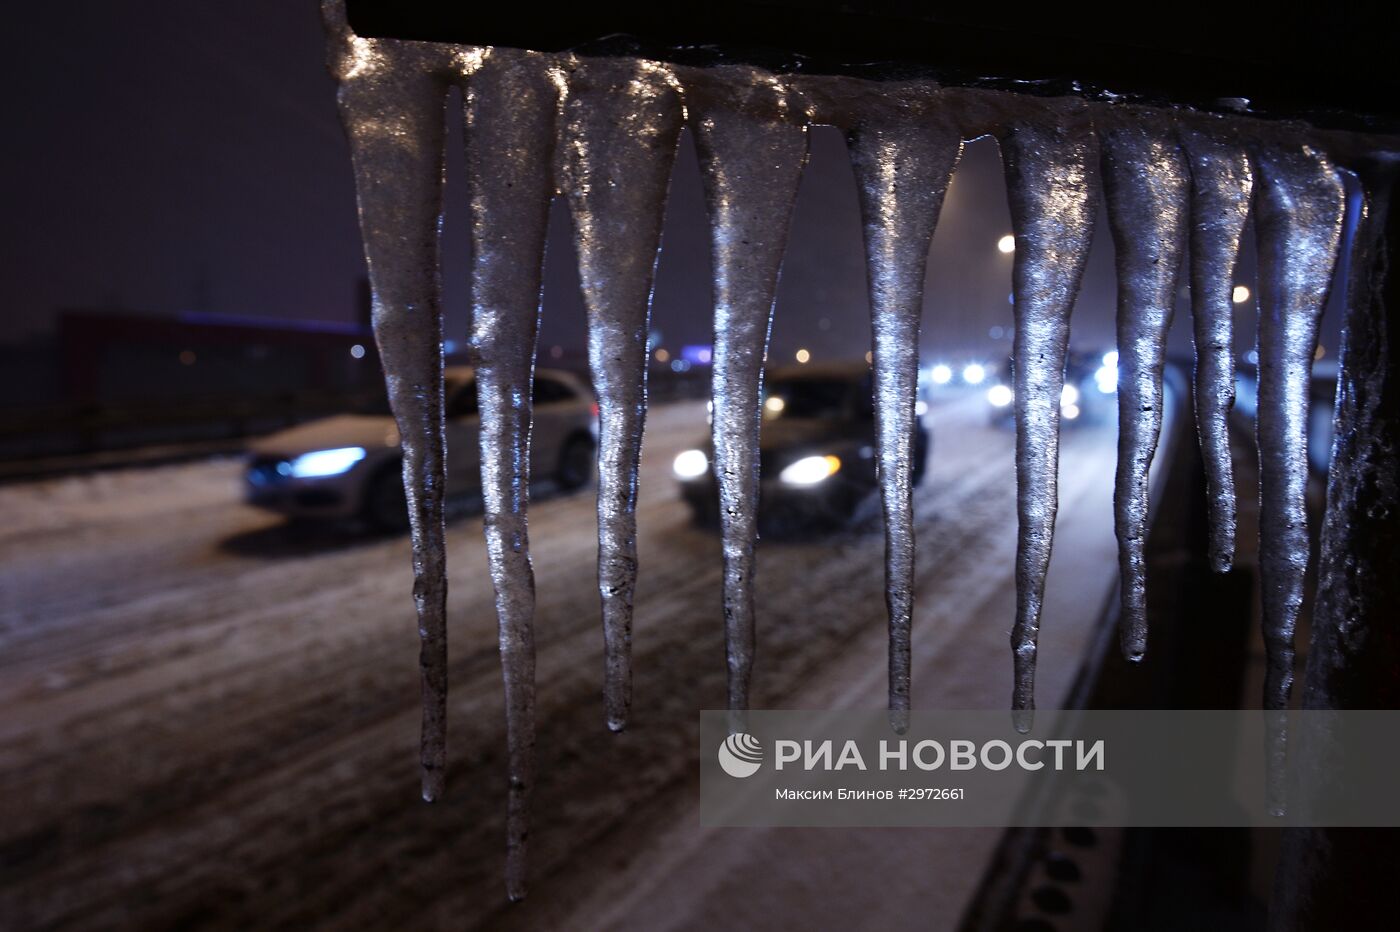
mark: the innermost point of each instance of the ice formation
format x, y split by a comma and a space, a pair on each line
1051, 186
1146, 185
903, 154
602, 133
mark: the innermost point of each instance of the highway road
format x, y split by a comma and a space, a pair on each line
208, 718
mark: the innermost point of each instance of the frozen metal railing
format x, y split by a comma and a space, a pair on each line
603, 132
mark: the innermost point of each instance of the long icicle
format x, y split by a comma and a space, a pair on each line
510, 104
623, 119
1052, 189
392, 103
1300, 206
752, 144
1222, 181
903, 163
1147, 189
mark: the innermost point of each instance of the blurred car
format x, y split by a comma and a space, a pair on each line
350, 466
816, 448
1091, 381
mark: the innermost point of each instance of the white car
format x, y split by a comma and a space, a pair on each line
350, 466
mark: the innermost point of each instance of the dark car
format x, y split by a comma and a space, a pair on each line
817, 447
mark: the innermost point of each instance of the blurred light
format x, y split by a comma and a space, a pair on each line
974, 374
449, 347
1007, 243
920, 408
187, 357
774, 405
1110, 358
803, 355
810, 470
996, 332
1068, 395
1106, 379
1070, 411
357, 351
1321, 351
680, 365
556, 352
662, 355
941, 374
869, 357
698, 354
999, 395
326, 462
1253, 357
1240, 295
691, 464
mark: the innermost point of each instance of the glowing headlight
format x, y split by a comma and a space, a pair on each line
326, 462
691, 464
1068, 396
774, 405
810, 470
941, 374
1110, 359
999, 395
974, 374
1106, 378
1070, 412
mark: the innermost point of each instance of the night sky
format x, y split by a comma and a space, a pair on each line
190, 157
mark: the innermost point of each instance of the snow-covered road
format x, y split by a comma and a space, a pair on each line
209, 718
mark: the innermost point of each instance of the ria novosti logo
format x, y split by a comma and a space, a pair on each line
740, 755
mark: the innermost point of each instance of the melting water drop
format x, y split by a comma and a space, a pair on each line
1146, 185
752, 141
623, 119
1052, 189
903, 162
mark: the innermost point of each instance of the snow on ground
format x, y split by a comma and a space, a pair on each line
210, 718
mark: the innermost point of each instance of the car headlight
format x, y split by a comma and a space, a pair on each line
691, 464
810, 470
326, 462
1069, 396
999, 395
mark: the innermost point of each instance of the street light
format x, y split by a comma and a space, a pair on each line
1007, 243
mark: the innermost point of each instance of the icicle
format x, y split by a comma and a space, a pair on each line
1300, 207
392, 102
903, 162
623, 121
752, 144
1146, 185
1052, 190
1221, 183
510, 103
